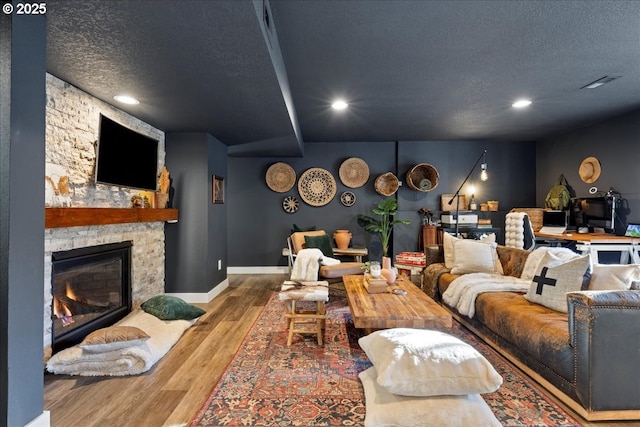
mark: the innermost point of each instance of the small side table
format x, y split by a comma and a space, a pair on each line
411, 272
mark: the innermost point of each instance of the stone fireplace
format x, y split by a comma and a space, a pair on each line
72, 131
147, 260
91, 289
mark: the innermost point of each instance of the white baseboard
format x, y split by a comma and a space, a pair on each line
203, 297
42, 420
283, 269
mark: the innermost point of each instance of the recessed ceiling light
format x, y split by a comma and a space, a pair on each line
521, 103
339, 105
126, 99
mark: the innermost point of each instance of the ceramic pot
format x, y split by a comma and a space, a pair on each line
342, 238
388, 272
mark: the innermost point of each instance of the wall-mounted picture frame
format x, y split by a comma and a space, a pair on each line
218, 189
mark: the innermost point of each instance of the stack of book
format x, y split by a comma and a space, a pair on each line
484, 223
411, 258
375, 285
411, 264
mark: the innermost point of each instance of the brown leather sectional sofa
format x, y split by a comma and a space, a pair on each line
589, 358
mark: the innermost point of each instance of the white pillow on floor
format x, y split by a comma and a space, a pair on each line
422, 362
384, 409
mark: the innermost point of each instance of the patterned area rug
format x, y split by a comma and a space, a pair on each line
270, 384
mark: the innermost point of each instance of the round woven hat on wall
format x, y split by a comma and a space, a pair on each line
317, 186
280, 177
354, 172
590, 170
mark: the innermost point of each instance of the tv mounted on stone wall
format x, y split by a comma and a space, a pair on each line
125, 157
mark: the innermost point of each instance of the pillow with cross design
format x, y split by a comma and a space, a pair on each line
555, 277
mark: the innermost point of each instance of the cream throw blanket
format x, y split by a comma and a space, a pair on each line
127, 361
463, 291
305, 267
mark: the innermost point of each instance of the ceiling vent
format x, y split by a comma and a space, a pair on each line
600, 82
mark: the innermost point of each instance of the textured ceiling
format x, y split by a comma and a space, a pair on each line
410, 70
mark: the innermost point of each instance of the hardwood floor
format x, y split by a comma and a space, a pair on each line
173, 391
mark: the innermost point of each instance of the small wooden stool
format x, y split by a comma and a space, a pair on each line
302, 315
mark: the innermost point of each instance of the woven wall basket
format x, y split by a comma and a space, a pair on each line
354, 172
386, 184
423, 177
316, 186
280, 177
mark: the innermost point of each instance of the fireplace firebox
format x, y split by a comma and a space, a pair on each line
91, 289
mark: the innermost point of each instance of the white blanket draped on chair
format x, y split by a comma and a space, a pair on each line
306, 265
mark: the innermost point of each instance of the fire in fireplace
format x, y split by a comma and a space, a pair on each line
91, 289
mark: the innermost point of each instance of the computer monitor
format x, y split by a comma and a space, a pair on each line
593, 212
554, 219
554, 222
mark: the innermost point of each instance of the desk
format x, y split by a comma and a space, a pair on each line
592, 243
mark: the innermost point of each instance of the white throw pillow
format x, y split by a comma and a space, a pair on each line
474, 256
448, 242
420, 362
554, 279
384, 409
608, 277
533, 259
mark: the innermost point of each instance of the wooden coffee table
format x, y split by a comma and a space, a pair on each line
388, 310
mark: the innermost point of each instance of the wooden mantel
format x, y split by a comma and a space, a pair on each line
74, 217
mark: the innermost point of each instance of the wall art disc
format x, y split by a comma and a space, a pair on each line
317, 186
280, 177
354, 172
348, 198
290, 204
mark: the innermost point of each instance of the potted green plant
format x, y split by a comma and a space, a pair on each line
382, 225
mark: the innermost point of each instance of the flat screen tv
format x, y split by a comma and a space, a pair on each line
125, 157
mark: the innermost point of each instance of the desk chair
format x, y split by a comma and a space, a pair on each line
296, 242
518, 231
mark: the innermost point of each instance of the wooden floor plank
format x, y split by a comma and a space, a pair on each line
172, 392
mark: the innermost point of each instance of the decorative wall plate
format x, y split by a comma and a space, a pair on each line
317, 186
348, 198
290, 204
280, 177
354, 172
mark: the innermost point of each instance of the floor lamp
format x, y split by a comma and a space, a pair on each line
483, 177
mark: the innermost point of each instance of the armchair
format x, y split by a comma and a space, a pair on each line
297, 241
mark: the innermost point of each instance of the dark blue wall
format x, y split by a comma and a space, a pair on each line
258, 225
199, 239
22, 148
615, 143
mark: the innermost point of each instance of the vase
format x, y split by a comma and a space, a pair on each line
342, 238
388, 272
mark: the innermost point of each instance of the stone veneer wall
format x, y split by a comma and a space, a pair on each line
71, 135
